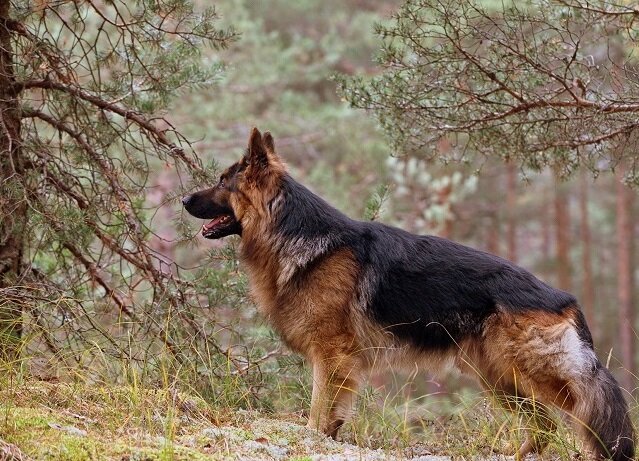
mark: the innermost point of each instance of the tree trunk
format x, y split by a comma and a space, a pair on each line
511, 205
546, 232
588, 294
12, 198
492, 234
562, 230
443, 199
625, 277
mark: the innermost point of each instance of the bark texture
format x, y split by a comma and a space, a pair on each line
625, 278
562, 231
13, 205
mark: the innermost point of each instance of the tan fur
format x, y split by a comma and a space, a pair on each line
316, 294
529, 350
381, 351
314, 317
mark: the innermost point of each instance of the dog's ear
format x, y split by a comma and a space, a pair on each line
269, 143
257, 157
261, 161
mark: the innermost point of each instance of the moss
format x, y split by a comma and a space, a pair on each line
20, 419
121, 423
172, 453
75, 449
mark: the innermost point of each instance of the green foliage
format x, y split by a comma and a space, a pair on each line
374, 205
94, 82
119, 284
279, 79
530, 81
120, 288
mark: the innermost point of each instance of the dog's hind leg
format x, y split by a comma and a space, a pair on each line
504, 385
537, 422
540, 427
335, 386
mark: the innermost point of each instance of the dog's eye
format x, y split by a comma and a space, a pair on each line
222, 183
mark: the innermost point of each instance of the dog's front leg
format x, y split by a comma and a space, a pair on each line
335, 386
319, 413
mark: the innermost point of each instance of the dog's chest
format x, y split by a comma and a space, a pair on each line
313, 307
291, 315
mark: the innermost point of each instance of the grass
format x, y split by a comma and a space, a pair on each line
81, 421
462, 425
61, 421
168, 420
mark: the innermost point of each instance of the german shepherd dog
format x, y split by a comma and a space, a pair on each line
353, 296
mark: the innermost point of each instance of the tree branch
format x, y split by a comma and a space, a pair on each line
127, 114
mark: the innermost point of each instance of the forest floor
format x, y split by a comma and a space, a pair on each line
73, 422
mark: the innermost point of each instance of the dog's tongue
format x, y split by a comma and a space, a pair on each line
210, 225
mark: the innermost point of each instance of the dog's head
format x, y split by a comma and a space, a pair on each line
243, 191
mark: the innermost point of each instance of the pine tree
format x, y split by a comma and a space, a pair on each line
84, 86
544, 83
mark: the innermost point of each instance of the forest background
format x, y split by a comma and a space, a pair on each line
106, 280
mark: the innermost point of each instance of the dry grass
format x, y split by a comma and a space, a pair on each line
89, 421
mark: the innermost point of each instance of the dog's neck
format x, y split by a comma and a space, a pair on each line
280, 256
297, 228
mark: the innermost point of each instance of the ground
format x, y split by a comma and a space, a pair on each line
74, 422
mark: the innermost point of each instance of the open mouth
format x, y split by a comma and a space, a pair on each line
220, 226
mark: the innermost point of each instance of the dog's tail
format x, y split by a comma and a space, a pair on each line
603, 412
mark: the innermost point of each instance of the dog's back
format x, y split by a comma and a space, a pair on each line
433, 292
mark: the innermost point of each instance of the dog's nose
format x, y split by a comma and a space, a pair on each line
186, 200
